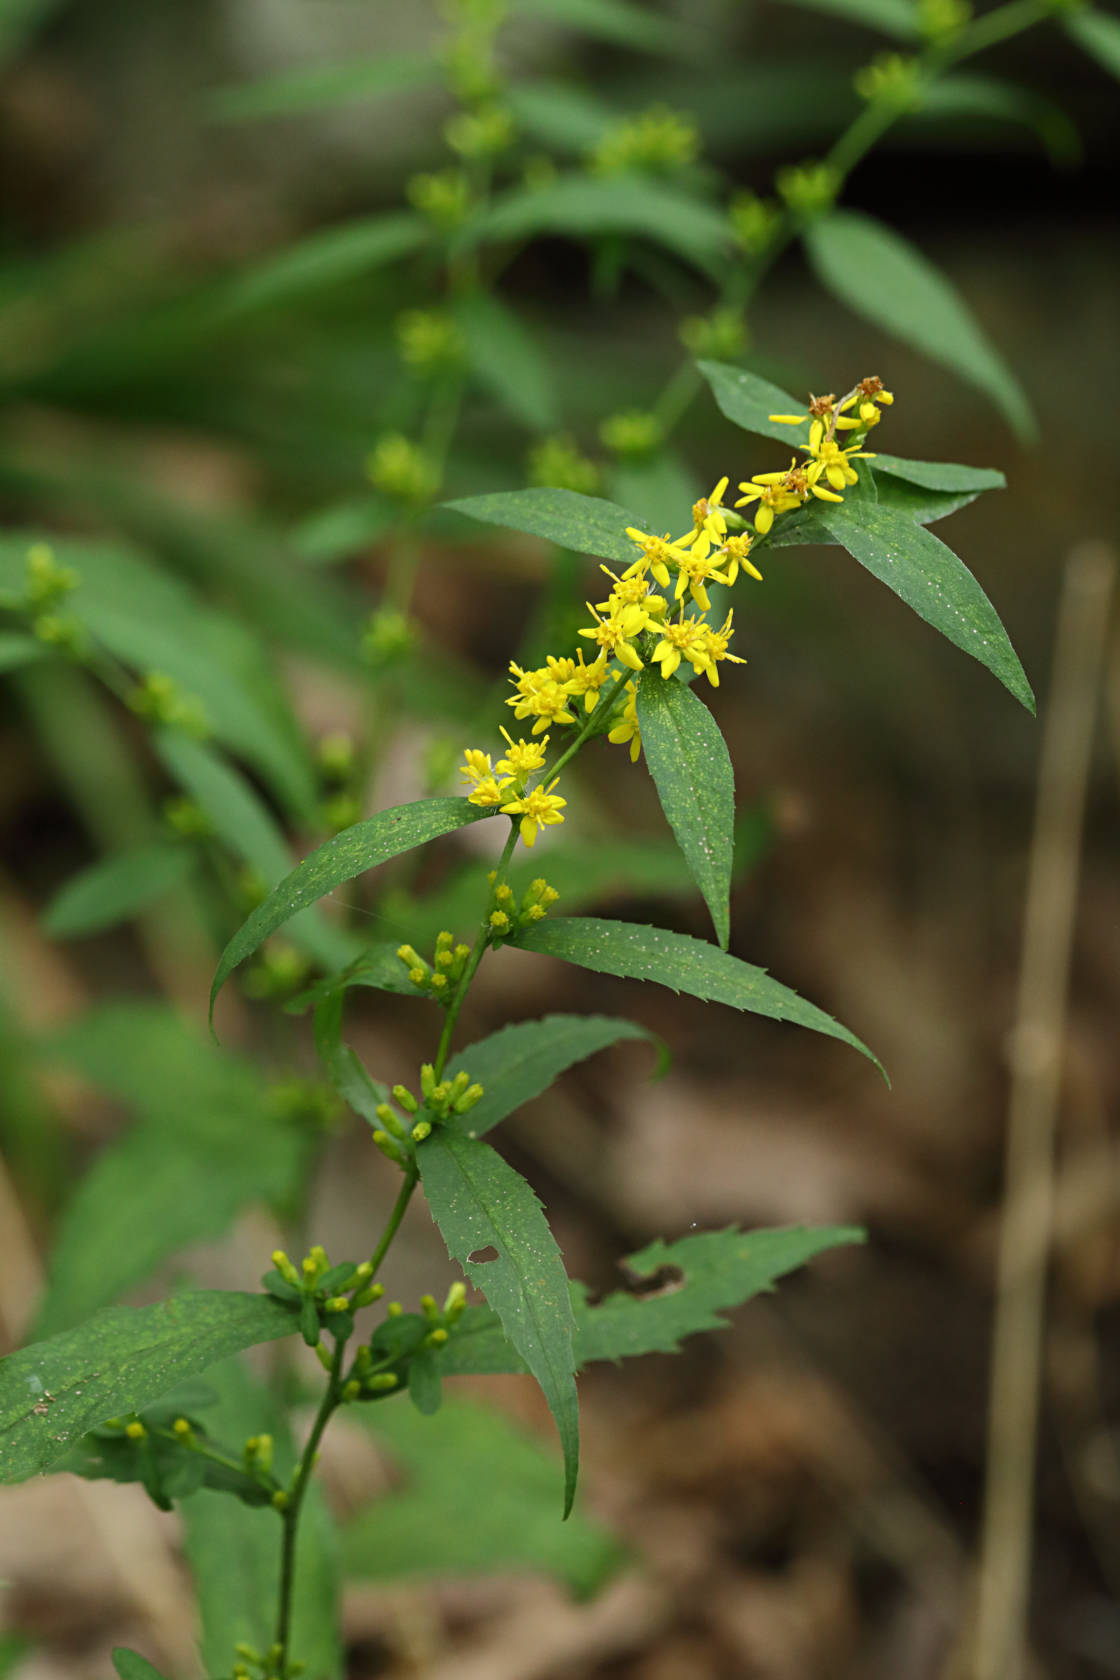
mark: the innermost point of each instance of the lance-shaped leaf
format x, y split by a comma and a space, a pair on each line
378, 967
479, 1202
684, 964
706, 1274
929, 577
949, 477
749, 402
1097, 32
130, 1665
342, 1064
517, 1063
884, 278
350, 853
115, 888
586, 523
119, 1361
691, 768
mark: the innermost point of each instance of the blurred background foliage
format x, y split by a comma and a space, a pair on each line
220, 304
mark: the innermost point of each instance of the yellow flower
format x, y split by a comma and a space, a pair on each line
522, 759
489, 791
614, 634
772, 499
539, 695
830, 461
626, 729
539, 808
709, 525
657, 552
589, 679
798, 481
715, 646
820, 408
734, 554
685, 639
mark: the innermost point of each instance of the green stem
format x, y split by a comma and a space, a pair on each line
291, 1514
482, 940
677, 396
404, 1197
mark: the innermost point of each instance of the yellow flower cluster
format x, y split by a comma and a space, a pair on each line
781, 492
656, 612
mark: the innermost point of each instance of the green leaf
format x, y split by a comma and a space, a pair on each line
505, 359
478, 1498
119, 1361
715, 1270
585, 523
319, 87
749, 401
130, 1665
116, 888
1098, 33
207, 1143
940, 475
560, 116
882, 277
517, 1063
929, 577
16, 649
585, 205
627, 25
342, 1064
479, 1202
993, 100
327, 259
425, 1382
691, 769
898, 18
682, 963
153, 622
234, 1550
349, 854
378, 967
243, 821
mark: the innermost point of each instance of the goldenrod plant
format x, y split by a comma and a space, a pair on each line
193, 769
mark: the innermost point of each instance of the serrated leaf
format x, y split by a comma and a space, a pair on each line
748, 401
691, 768
888, 281
479, 1202
682, 963
585, 523
478, 1497
517, 1063
929, 577
16, 650
130, 1665
115, 889
318, 87
585, 205
244, 823
718, 1270
206, 1143
1097, 32
347, 855
234, 1550
505, 359
897, 18
119, 1361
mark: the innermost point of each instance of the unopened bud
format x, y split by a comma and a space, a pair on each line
394, 1309
383, 1382
279, 1500
444, 940
285, 1268
405, 1098
456, 1300
322, 1354
472, 1095
135, 1430
389, 1120
387, 1147
438, 983
428, 1307
427, 1079
421, 1130
366, 1297
504, 893
436, 1338
352, 1389
337, 1304
409, 957
499, 921
183, 1429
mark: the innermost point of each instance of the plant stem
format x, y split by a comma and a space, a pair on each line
291, 1514
410, 1180
476, 956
